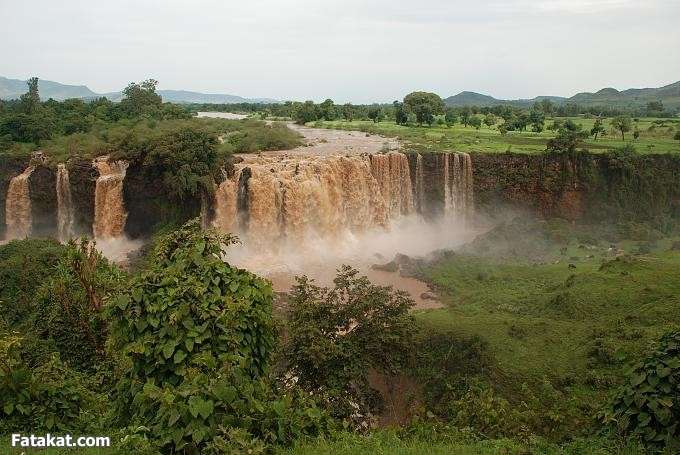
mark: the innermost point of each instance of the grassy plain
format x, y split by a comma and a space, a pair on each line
656, 136
563, 311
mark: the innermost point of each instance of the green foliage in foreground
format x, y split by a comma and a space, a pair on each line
198, 335
542, 321
649, 402
36, 260
423, 438
51, 333
336, 336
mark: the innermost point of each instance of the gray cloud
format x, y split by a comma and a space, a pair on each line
350, 50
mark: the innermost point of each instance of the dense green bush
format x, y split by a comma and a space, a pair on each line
445, 364
24, 266
257, 136
198, 335
336, 336
46, 398
648, 404
69, 305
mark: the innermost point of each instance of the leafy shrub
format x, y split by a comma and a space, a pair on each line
257, 136
337, 335
198, 334
69, 305
24, 266
46, 398
446, 364
186, 159
648, 404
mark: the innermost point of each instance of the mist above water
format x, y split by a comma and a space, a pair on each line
320, 257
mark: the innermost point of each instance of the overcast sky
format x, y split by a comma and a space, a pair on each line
348, 50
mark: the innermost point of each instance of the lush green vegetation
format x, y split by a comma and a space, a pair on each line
656, 135
76, 128
530, 354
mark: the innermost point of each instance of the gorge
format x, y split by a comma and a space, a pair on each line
342, 197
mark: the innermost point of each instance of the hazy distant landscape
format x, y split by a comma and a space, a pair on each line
630, 98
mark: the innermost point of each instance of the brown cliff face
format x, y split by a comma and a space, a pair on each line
150, 206
588, 187
42, 185
82, 178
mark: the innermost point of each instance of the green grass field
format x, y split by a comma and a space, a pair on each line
658, 139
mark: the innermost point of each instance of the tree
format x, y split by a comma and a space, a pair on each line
337, 335
400, 115
465, 114
376, 114
30, 100
536, 119
185, 160
597, 128
141, 98
521, 121
490, 120
450, 117
348, 112
623, 123
569, 138
327, 110
304, 112
547, 106
636, 134
475, 122
677, 135
655, 109
197, 335
424, 105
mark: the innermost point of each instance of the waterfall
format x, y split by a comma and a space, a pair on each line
65, 218
109, 208
226, 205
419, 184
458, 192
18, 206
392, 173
271, 198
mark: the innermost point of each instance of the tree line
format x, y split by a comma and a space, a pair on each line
30, 120
423, 108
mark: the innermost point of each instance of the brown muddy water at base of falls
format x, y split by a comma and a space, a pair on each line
320, 257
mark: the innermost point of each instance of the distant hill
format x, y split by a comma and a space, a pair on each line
14, 88
631, 98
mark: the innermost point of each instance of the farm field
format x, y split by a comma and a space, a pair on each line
656, 136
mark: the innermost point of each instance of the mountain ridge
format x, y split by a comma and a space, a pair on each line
628, 98
14, 88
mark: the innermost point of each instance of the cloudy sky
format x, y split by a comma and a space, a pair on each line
348, 50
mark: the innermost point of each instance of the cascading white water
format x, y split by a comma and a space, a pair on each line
65, 218
226, 204
18, 216
458, 193
321, 196
109, 208
318, 196
419, 190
